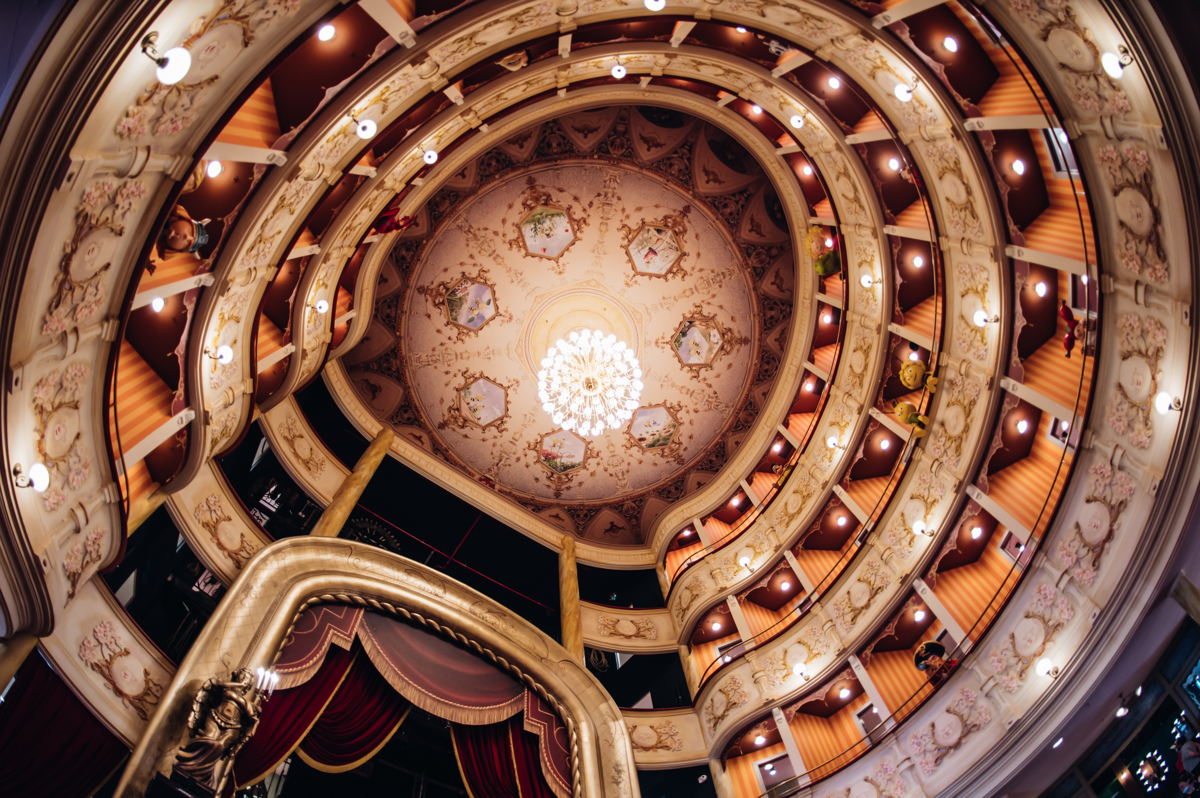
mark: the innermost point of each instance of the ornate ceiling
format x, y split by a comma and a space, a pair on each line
640, 222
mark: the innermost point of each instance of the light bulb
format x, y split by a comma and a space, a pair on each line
727, 659
894, 164
950, 43
430, 157
809, 387
39, 477
807, 170
655, 5
214, 169
224, 354
885, 444
798, 669
1163, 402
914, 356
918, 261
919, 527
1111, 62
173, 66
1040, 289
777, 447
828, 242
866, 281
157, 304
1083, 278
1022, 427
842, 520
326, 32
687, 533
1064, 426
834, 82
744, 561
1044, 667
365, 128
756, 109
1122, 711
760, 740
797, 121
740, 29
321, 306
785, 585
831, 442
976, 532
1057, 743
903, 92
735, 501
827, 318
618, 71
919, 616
1018, 166
980, 318
844, 693
715, 626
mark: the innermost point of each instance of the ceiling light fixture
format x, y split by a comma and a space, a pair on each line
1138, 691
1057, 743
735, 501
785, 585
687, 533
1018, 166
894, 164
38, 477
777, 447
885, 444
326, 32
827, 318
756, 109
364, 128
740, 29
919, 616
806, 170
214, 169
173, 65
809, 387
157, 304
589, 382
1083, 278
1022, 427
430, 157
844, 693
828, 242
976, 532
618, 71
918, 261
1064, 426
834, 82
760, 740
655, 5
950, 43
1114, 63
797, 121
914, 356
715, 626
1122, 711
1040, 289
842, 520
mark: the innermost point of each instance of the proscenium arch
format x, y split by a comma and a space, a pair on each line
253, 620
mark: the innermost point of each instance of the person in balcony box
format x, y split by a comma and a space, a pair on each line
931, 658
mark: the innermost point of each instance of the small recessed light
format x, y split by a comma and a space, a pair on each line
785, 585
894, 164
326, 32
687, 533
1122, 711
797, 121
1040, 289
1057, 743
1022, 427
806, 170
735, 501
214, 169
715, 626
1020, 548
809, 387
828, 242
841, 521
1018, 166
885, 444
1138, 691
844, 693
918, 261
777, 447
756, 109
655, 5
1083, 278
976, 532
157, 304
950, 43
760, 740
618, 71
1064, 426
919, 616
827, 318
430, 157
914, 356
834, 82
740, 29
727, 659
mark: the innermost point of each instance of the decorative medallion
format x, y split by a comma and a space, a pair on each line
653, 427
468, 301
481, 401
546, 231
698, 340
654, 250
562, 451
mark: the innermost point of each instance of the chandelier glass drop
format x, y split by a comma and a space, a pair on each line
590, 382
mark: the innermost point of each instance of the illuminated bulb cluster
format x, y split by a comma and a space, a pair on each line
589, 382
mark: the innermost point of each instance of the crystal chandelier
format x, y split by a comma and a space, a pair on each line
590, 382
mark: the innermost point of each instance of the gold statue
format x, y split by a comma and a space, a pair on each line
224, 716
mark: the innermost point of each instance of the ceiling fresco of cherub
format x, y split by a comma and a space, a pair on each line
652, 228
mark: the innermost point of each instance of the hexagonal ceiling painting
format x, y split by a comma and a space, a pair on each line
549, 244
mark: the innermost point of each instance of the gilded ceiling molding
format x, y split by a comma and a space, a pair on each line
250, 626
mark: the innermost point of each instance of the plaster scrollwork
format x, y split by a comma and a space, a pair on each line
1045, 616
661, 736
1080, 552
687, 595
56, 399
871, 579
776, 671
958, 212
623, 628
959, 396
301, 447
884, 781
214, 40
965, 715
1140, 247
85, 552
1142, 343
105, 651
724, 700
78, 293
969, 338
805, 26
213, 517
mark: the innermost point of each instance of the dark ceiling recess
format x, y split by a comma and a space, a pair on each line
905, 630
777, 589
830, 701
916, 283
1014, 445
636, 589
1026, 195
842, 102
895, 187
693, 782
966, 547
1039, 311
968, 70
831, 531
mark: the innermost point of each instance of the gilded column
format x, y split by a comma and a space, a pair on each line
330, 524
568, 598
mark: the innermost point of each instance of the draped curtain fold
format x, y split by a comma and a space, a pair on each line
50, 742
500, 760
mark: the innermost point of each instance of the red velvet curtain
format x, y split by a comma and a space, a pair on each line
499, 761
50, 743
286, 718
362, 716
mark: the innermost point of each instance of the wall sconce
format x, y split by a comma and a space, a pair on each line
365, 128
223, 354
744, 559
618, 71
919, 527
904, 92
982, 319
173, 65
797, 121
799, 669
833, 443
1165, 403
867, 280
655, 5
266, 679
1046, 667
38, 477
321, 306
1114, 63
430, 157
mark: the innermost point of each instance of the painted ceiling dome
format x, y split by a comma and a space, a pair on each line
639, 222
